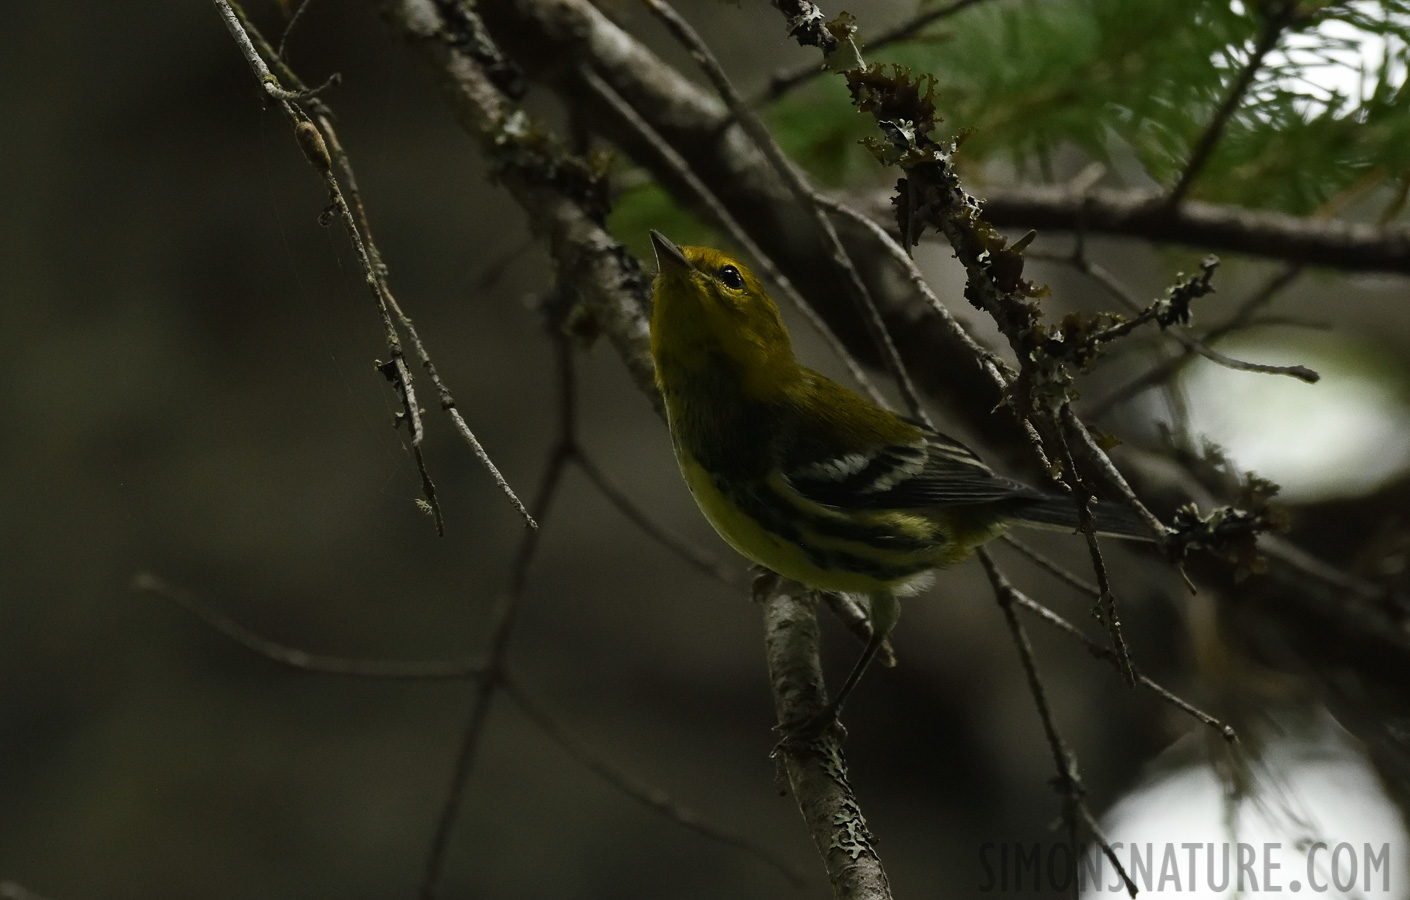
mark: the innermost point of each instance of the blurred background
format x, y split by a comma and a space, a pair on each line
191, 391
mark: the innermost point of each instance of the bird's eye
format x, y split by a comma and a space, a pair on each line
729, 276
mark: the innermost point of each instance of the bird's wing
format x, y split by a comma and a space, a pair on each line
931, 470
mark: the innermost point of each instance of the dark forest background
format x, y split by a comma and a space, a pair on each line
190, 391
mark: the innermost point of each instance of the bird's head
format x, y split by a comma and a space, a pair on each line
706, 301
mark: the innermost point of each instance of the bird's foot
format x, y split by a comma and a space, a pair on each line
813, 728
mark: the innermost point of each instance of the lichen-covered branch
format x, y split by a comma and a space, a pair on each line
816, 768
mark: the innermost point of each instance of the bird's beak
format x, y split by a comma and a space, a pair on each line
668, 256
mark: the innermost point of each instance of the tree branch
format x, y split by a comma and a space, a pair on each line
1336, 244
816, 768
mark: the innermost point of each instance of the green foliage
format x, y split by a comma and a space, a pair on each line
819, 128
1142, 79
646, 205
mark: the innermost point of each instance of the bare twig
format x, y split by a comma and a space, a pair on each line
700, 559
294, 657
1305, 565
909, 28
396, 372
1260, 298
289, 26
1052, 568
1301, 373
322, 149
798, 185
503, 627
1097, 650
816, 768
1106, 599
990, 362
1105, 653
1068, 782
652, 798
1192, 344
1162, 373
447, 400
1115, 481
1188, 341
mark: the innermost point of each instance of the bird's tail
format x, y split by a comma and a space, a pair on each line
1060, 513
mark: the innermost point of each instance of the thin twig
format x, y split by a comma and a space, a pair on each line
676, 543
296, 658
1052, 568
993, 365
799, 187
907, 29
447, 399
1107, 850
504, 619
1092, 646
707, 198
1242, 318
1106, 599
1115, 481
1279, 18
323, 150
1191, 343
1308, 566
289, 27
443, 393
1301, 373
1068, 782
652, 798
784, 82
1257, 300
428, 487
1105, 653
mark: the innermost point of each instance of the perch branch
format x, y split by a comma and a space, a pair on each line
816, 768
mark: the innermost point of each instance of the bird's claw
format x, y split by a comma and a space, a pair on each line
811, 729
